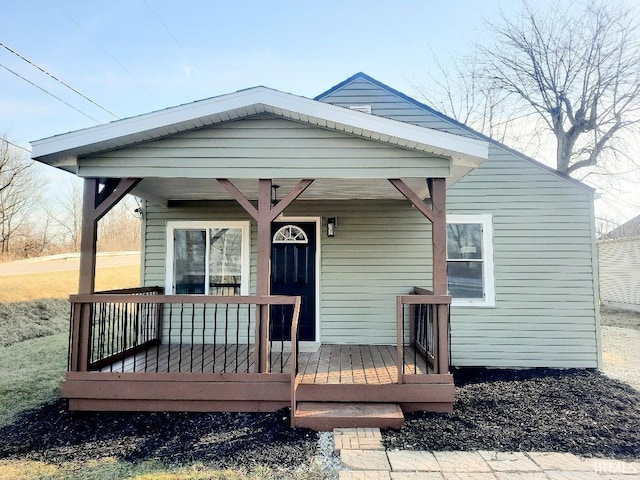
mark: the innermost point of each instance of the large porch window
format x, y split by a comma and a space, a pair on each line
208, 258
470, 260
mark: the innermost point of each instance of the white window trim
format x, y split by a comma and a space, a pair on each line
489, 300
202, 225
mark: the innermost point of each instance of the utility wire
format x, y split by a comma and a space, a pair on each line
15, 145
155, 14
106, 52
57, 79
49, 93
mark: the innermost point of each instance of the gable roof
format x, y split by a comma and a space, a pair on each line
62, 151
451, 121
626, 230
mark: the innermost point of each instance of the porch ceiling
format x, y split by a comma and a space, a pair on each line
163, 190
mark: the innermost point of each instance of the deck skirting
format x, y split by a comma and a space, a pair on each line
335, 373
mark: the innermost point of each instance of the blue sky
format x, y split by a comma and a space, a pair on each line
136, 56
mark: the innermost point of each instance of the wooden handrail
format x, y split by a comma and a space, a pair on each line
425, 299
208, 299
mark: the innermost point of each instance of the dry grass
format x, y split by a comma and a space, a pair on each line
110, 468
23, 288
619, 318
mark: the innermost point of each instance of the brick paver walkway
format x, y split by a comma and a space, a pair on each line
364, 458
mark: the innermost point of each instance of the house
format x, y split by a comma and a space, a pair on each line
619, 260
336, 255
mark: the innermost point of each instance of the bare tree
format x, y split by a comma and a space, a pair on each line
119, 229
69, 216
458, 89
578, 70
19, 192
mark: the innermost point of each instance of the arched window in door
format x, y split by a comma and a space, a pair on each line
290, 234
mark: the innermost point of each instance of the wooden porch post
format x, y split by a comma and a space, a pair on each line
437, 215
89, 237
95, 204
264, 215
263, 270
439, 234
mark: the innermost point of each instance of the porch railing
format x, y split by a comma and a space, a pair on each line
141, 330
423, 333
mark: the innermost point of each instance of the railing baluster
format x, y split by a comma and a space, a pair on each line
180, 337
226, 338
248, 336
215, 336
169, 339
237, 336
193, 330
204, 326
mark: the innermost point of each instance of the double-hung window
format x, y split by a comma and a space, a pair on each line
208, 258
470, 260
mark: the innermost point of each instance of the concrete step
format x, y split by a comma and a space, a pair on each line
325, 416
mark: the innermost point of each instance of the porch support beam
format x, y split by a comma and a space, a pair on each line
239, 197
436, 214
295, 192
413, 197
96, 204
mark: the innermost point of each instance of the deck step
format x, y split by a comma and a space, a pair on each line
325, 416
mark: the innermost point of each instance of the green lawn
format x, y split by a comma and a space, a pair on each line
30, 374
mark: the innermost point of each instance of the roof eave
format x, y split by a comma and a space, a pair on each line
253, 101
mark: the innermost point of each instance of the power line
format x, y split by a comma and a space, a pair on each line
15, 145
49, 93
57, 79
105, 51
155, 14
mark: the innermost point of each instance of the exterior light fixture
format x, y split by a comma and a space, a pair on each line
274, 194
331, 226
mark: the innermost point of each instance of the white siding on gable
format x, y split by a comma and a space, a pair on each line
620, 272
545, 312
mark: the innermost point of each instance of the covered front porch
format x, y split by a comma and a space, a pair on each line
139, 349
211, 334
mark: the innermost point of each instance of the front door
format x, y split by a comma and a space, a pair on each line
293, 272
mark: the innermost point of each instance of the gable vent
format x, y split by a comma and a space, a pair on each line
361, 108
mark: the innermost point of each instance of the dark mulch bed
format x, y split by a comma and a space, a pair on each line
577, 411
220, 440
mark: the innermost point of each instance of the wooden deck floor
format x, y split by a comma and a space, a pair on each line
331, 364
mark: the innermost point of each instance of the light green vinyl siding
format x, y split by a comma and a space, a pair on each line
262, 147
545, 306
620, 272
545, 313
381, 249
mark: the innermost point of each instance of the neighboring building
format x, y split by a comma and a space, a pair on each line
369, 207
619, 259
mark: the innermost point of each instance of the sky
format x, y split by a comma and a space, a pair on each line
129, 57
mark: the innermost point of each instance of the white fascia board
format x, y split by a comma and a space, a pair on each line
257, 100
